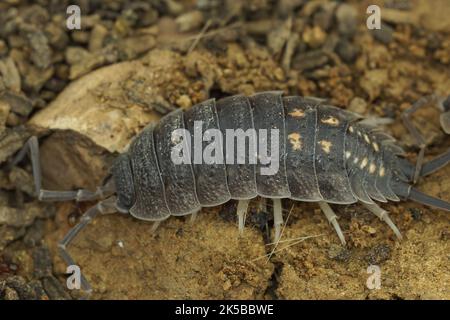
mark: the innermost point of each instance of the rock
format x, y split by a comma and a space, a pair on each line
10, 74
310, 60
41, 53
346, 16
314, 36
98, 34
18, 103
373, 81
4, 112
358, 105
99, 105
347, 51
189, 21
11, 140
378, 254
384, 35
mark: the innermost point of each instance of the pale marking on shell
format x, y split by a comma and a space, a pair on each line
295, 140
332, 121
326, 145
376, 147
364, 163
297, 113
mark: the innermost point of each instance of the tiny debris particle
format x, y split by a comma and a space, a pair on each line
331, 121
184, 101
297, 113
382, 172
378, 254
295, 140
326, 145
355, 161
348, 154
372, 168
351, 129
366, 138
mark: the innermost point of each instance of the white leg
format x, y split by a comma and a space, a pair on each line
241, 213
332, 218
277, 218
193, 217
383, 215
155, 226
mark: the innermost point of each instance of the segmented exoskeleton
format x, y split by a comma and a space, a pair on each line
326, 155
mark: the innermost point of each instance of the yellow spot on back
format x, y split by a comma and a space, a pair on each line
295, 140
366, 137
382, 172
372, 168
332, 121
364, 163
297, 113
376, 147
326, 145
348, 154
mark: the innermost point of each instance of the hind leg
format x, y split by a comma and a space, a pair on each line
242, 213
32, 147
332, 218
422, 169
417, 136
383, 215
103, 207
435, 164
277, 218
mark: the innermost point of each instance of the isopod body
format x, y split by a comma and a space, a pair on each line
326, 154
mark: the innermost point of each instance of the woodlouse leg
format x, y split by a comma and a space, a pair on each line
242, 213
155, 226
103, 207
32, 146
420, 141
193, 217
332, 218
435, 164
445, 115
383, 215
277, 218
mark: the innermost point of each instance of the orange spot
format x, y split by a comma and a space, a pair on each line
295, 140
326, 145
332, 121
297, 113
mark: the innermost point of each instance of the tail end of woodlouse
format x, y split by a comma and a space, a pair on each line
428, 200
408, 192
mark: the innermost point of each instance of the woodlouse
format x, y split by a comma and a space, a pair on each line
326, 155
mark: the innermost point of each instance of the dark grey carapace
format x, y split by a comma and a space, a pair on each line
327, 155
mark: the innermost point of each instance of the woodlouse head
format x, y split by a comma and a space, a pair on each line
123, 180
